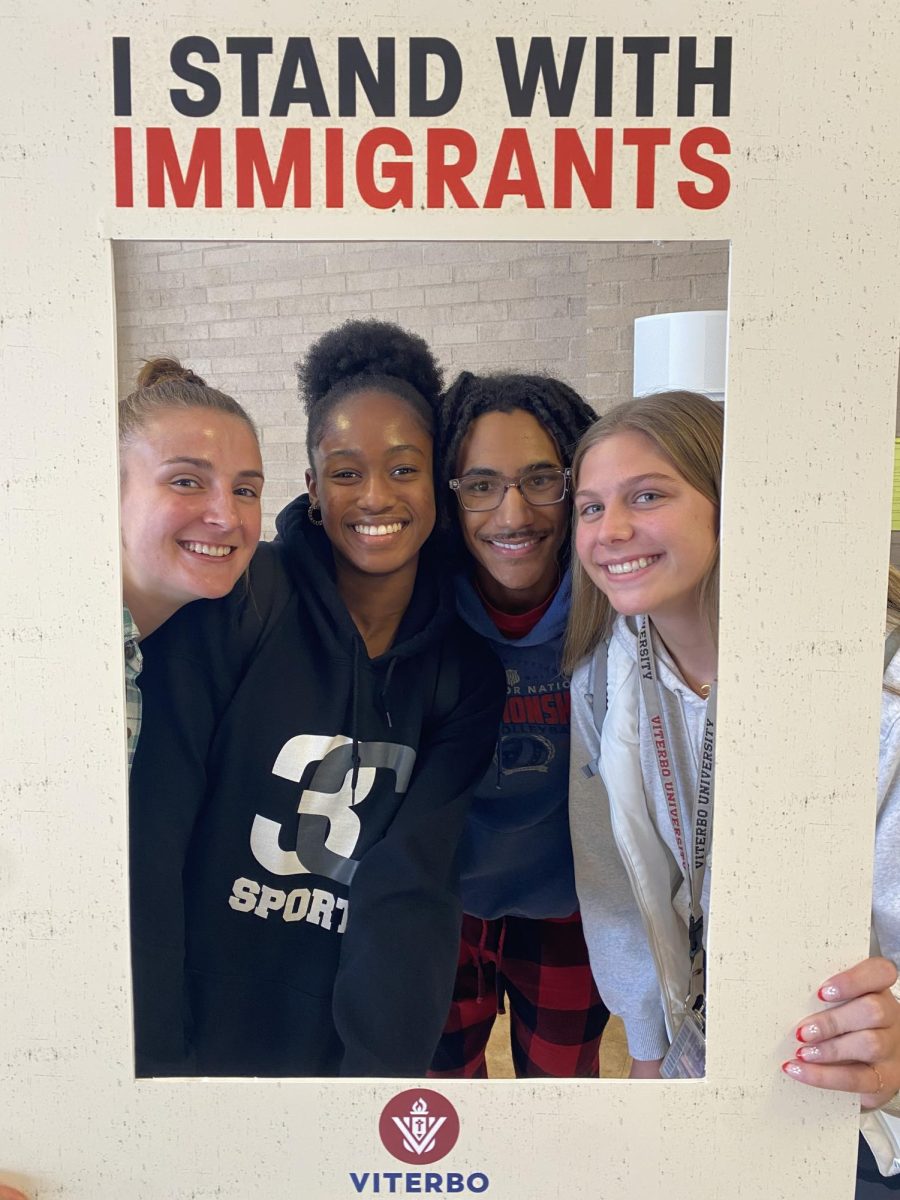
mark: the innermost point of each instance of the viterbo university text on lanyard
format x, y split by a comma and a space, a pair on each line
692, 828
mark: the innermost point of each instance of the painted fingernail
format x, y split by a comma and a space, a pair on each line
807, 1052
808, 1033
792, 1068
829, 993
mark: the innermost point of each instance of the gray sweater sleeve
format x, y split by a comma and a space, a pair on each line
886, 879
620, 955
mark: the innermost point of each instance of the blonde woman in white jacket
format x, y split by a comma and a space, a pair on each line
646, 479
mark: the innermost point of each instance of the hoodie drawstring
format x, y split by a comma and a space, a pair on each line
480, 958
384, 692
354, 754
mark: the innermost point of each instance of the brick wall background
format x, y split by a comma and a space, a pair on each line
241, 313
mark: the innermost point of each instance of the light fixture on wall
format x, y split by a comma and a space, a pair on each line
681, 350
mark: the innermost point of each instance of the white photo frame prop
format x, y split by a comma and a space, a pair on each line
812, 213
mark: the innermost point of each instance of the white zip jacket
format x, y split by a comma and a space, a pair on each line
625, 872
631, 890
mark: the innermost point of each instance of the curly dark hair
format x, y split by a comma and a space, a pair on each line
553, 403
358, 356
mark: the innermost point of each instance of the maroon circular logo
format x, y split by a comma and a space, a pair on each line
419, 1126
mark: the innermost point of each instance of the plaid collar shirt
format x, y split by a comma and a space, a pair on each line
133, 664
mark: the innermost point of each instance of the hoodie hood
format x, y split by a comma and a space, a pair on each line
516, 853
309, 559
551, 625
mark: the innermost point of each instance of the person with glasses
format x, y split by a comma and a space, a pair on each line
505, 443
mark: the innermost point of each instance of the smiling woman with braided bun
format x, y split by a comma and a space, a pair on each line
307, 760
190, 482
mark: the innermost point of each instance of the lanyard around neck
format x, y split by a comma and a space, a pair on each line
692, 828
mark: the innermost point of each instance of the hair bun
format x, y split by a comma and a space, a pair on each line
155, 370
370, 347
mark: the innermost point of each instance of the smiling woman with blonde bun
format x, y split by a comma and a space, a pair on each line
643, 633
190, 483
307, 761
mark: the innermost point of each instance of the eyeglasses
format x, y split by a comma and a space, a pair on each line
480, 493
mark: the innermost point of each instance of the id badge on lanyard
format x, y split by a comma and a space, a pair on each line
692, 829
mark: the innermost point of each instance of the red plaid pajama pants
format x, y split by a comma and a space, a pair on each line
556, 1014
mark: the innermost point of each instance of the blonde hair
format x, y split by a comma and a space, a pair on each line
164, 383
686, 428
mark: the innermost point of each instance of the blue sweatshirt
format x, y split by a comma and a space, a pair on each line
516, 850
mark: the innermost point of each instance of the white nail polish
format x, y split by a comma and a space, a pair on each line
794, 1069
809, 1052
829, 993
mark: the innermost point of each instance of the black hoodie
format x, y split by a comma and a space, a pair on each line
295, 809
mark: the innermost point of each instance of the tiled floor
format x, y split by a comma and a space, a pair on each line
614, 1060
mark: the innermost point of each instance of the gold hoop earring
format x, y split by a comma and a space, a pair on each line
314, 508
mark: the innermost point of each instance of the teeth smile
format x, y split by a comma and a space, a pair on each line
378, 530
625, 568
208, 549
512, 545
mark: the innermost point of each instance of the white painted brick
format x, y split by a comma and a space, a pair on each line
282, 471
426, 276
353, 304
209, 312
560, 285
204, 277
545, 349
505, 331
276, 327
507, 289
343, 261
655, 291
468, 252
475, 272
189, 296
185, 332
145, 249
230, 291
183, 260
530, 266
604, 383
552, 249
298, 306
131, 300
233, 365
456, 334
713, 262
615, 269
482, 310
286, 433
315, 285
402, 297
264, 345
602, 340
453, 293
709, 291
481, 355
568, 327
253, 308
225, 329
225, 256
256, 270
539, 306
365, 281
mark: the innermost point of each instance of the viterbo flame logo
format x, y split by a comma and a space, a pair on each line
419, 1126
